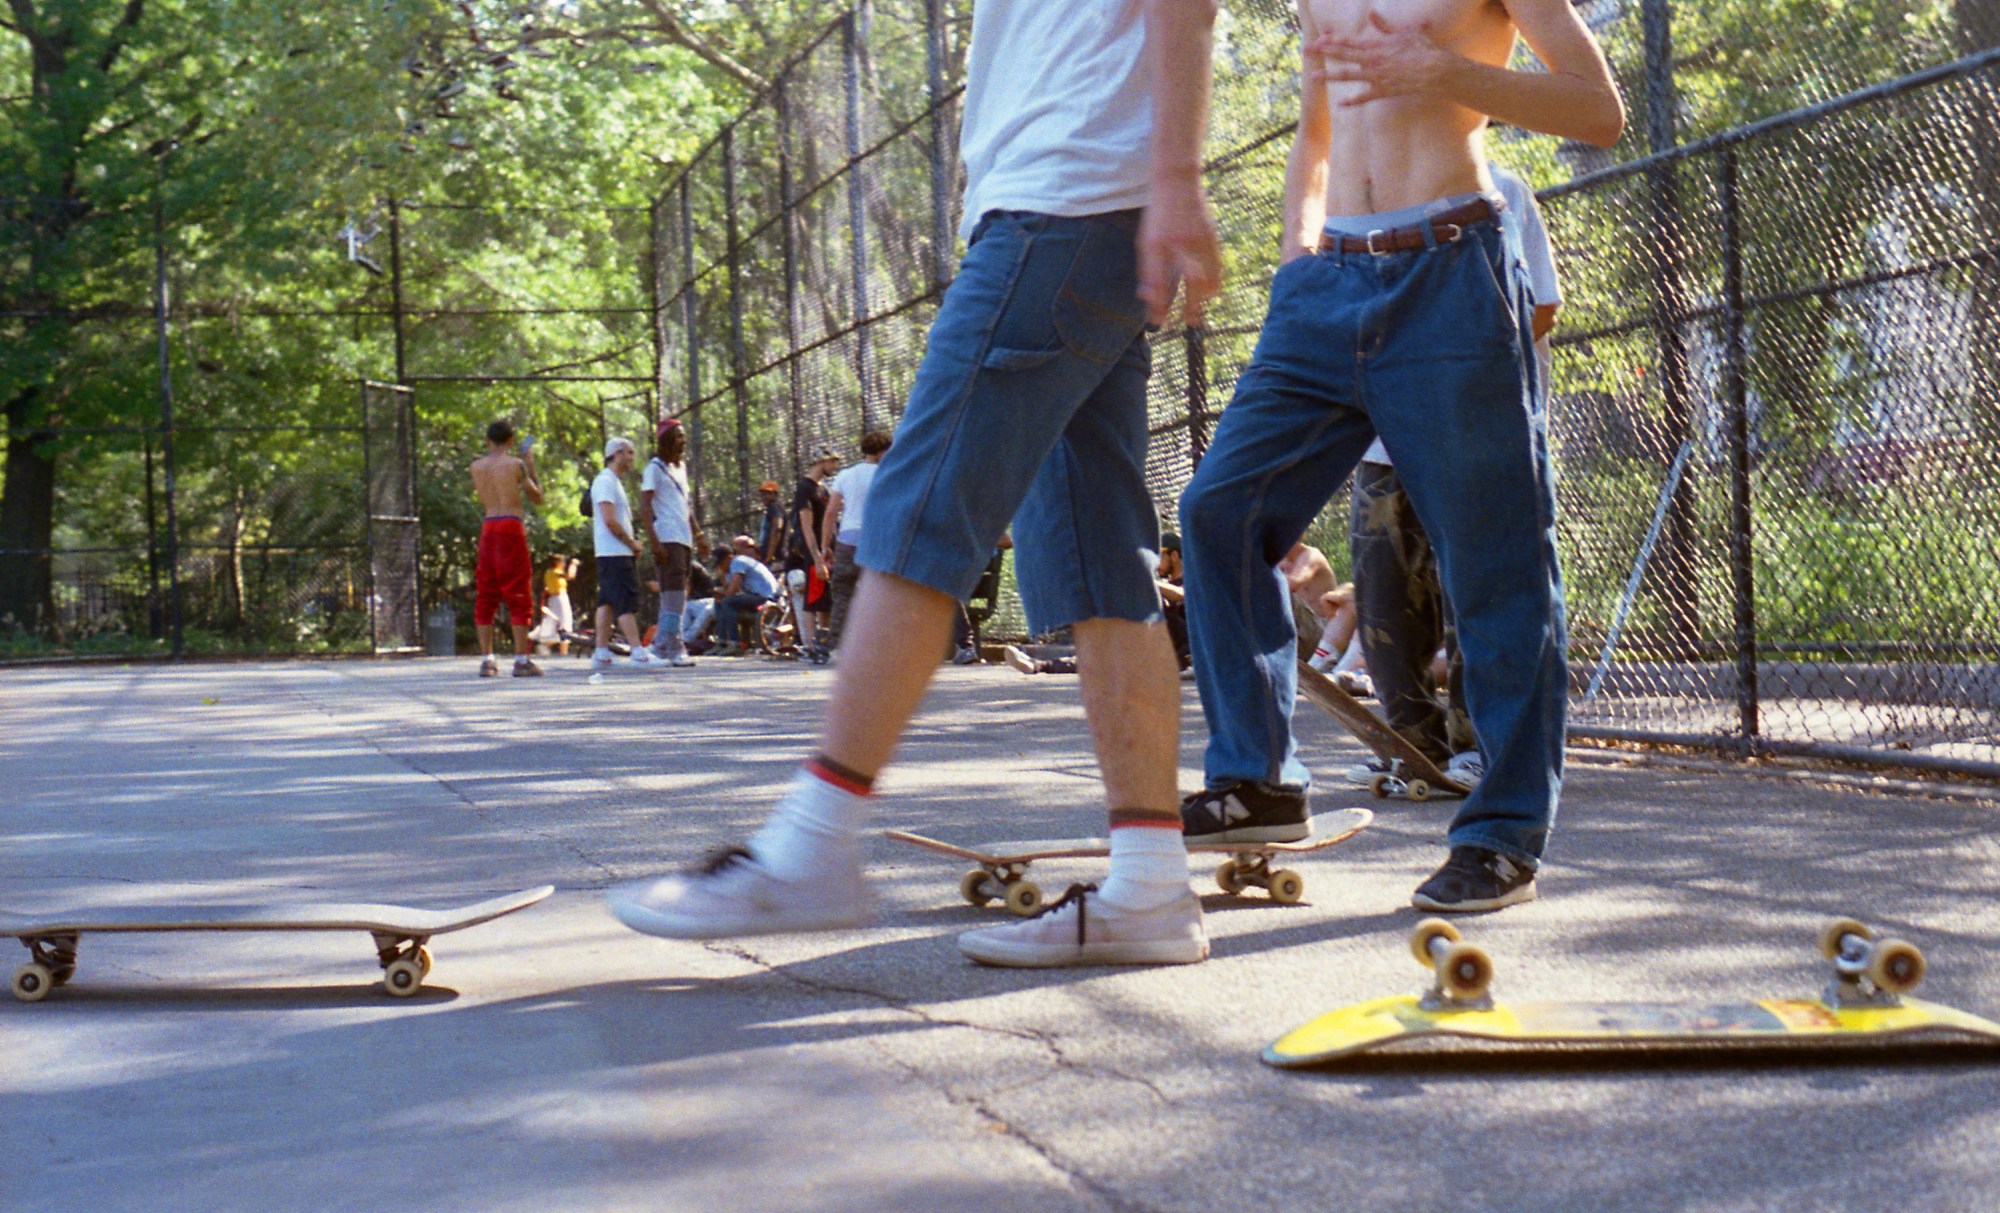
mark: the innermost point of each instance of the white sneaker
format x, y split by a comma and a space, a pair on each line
679, 661
603, 659
643, 657
1079, 929
1467, 767
731, 893
1364, 774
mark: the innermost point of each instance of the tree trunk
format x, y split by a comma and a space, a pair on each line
27, 521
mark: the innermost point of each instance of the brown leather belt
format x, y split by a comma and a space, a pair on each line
1446, 226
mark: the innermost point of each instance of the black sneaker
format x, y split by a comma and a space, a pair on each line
1475, 878
1245, 812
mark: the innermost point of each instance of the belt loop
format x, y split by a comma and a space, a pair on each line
1430, 235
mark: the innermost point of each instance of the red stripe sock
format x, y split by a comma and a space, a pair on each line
847, 779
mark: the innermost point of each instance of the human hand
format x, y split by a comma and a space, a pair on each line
1178, 247
1386, 60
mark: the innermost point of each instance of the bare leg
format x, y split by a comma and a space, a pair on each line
485, 639
603, 633
628, 624
1132, 696
522, 645
897, 629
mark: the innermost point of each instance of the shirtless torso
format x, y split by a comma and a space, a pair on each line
501, 481
1399, 94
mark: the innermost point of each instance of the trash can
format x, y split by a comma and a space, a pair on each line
441, 631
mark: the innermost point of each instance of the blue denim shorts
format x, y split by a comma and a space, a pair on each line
1030, 406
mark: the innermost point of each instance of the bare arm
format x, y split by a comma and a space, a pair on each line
1177, 239
609, 513
531, 484
835, 502
1575, 98
1306, 168
646, 511
807, 533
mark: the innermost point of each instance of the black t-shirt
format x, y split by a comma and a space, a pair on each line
700, 584
810, 495
770, 531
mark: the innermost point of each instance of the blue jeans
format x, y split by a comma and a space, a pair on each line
729, 612
1030, 406
1432, 349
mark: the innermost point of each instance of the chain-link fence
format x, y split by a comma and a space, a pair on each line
1776, 417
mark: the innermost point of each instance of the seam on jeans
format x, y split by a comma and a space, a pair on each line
1263, 491
959, 399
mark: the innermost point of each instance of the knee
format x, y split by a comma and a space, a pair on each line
1205, 511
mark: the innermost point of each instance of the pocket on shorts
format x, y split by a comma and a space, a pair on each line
1098, 310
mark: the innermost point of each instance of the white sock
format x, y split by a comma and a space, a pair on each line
816, 818
1149, 867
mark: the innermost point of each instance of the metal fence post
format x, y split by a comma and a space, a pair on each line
789, 244
1679, 587
689, 313
160, 306
396, 285
734, 259
942, 243
657, 316
1195, 337
857, 222
1736, 386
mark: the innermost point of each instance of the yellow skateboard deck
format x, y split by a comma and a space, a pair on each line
1865, 1003
1386, 1022
1002, 872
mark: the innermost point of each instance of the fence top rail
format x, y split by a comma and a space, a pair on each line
1805, 115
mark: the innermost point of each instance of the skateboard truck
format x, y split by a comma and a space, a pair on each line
1004, 882
1462, 971
1398, 781
1868, 972
405, 962
52, 962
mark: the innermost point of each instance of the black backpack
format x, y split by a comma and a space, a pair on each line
585, 506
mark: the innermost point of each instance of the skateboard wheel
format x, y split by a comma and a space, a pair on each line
1427, 930
1286, 886
1227, 878
1829, 939
32, 983
424, 959
1465, 971
1417, 789
1380, 785
403, 978
1895, 966
972, 887
1024, 897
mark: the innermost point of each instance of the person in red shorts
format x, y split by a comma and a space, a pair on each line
505, 571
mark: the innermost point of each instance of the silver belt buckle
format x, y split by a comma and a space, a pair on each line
1378, 252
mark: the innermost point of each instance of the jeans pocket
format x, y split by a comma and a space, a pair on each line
1001, 358
1098, 312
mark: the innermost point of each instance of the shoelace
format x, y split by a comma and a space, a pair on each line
1073, 895
717, 860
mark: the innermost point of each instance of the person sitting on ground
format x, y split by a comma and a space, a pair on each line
1040, 658
751, 584
1313, 584
558, 619
1173, 599
845, 511
617, 558
702, 582
504, 571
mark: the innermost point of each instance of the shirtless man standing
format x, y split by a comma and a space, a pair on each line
1400, 311
505, 572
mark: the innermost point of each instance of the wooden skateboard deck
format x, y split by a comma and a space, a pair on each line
1420, 775
1002, 871
400, 932
1865, 1003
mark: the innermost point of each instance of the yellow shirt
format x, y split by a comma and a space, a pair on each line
553, 582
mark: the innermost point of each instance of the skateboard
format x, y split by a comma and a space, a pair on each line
1003, 866
1412, 776
1865, 1003
400, 932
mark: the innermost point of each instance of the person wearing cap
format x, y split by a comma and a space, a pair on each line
807, 563
1173, 599
770, 524
617, 557
748, 585
1082, 133
667, 507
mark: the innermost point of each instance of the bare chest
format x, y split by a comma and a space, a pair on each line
1477, 28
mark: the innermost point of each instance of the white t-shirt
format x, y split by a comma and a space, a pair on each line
1058, 108
1522, 227
668, 482
607, 488
852, 485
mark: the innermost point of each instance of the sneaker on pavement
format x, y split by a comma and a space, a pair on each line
730, 893
679, 661
1364, 774
644, 657
489, 668
525, 667
1079, 929
1245, 812
1475, 878
966, 656
1356, 683
602, 659
1467, 767
1019, 659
